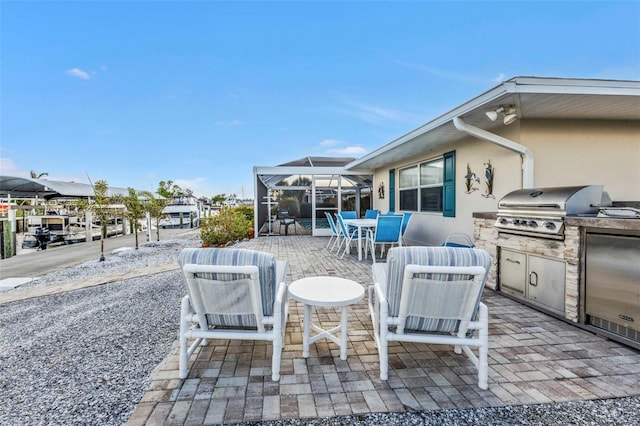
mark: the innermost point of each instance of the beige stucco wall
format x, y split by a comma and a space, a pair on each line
586, 152
565, 153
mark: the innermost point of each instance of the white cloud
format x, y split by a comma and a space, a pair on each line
198, 185
349, 150
229, 123
500, 78
329, 142
77, 72
371, 113
9, 168
439, 72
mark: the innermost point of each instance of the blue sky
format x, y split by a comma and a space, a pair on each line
199, 92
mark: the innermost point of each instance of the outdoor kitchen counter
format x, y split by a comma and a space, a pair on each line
582, 221
485, 215
602, 222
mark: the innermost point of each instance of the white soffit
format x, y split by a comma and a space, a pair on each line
534, 97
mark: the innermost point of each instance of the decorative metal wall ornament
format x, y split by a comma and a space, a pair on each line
381, 191
488, 174
470, 179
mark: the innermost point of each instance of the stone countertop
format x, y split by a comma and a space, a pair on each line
583, 221
485, 215
603, 222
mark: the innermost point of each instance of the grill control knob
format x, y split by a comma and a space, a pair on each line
533, 223
503, 221
550, 225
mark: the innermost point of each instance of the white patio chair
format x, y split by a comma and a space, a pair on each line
232, 294
432, 295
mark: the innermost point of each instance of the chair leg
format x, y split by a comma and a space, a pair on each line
337, 244
277, 356
383, 350
483, 356
184, 357
329, 243
184, 344
346, 248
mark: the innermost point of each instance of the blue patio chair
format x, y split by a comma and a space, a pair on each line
458, 239
371, 214
348, 214
335, 233
406, 217
388, 231
348, 236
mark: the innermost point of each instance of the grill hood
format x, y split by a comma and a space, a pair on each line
553, 201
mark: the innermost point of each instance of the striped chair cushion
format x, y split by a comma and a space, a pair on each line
265, 262
398, 257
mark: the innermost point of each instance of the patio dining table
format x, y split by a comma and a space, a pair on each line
361, 224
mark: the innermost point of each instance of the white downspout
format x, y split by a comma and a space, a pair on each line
525, 153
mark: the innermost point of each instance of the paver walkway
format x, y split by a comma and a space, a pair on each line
533, 358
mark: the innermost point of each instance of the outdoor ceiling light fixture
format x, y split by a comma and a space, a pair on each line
508, 111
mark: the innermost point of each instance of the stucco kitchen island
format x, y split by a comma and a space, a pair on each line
571, 278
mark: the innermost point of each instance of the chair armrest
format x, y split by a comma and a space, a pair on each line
379, 272
281, 303
281, 271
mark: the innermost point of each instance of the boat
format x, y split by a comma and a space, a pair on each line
78, 231
57, 225
63, 228
184, 211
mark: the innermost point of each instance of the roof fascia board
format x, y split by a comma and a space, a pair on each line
286, 171
574, 90
558, 85
463, 109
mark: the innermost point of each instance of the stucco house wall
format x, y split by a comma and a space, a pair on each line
582, 152
566, 152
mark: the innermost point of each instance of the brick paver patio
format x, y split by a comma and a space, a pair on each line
533, 358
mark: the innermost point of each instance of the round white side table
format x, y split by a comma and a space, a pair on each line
325, 292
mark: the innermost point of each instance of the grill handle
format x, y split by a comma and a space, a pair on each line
520, 205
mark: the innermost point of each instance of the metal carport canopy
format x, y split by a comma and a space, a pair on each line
18, 187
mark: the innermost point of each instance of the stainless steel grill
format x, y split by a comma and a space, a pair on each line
540, 212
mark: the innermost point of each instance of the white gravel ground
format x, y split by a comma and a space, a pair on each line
85, 357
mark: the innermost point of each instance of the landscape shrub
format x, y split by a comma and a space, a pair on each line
231, 224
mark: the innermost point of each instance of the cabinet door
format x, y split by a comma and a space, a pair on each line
546, 282
513, 272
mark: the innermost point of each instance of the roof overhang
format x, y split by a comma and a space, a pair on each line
271, 176
533, 97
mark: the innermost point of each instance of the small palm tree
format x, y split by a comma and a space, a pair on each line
154, 207
35, 175
135, 210
101, 209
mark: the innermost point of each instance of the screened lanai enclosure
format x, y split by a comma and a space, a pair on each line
294, 197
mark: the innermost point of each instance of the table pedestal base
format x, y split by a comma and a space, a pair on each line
307, 339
